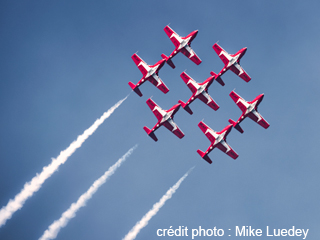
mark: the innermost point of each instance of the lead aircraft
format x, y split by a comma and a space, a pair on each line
165, 117
150, 73
183, 45
232, 62
249, 109
199, 90
217, 139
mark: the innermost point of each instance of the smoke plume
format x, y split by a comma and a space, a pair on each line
156, 207
55, 227
36, 182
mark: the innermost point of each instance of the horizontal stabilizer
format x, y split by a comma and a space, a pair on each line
217, 78
168, 60
150, 133
204, 156
236, 125
165, 57
185, 107
135, 89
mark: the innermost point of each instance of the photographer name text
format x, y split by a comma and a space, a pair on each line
238, 231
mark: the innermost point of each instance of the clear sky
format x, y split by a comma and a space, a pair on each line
64, 63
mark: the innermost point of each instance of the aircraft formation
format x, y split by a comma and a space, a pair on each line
200, 91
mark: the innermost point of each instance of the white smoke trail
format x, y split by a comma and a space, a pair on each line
55, 227
34, 185
156, 207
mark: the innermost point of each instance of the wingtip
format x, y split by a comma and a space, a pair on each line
216, 43
201, 123
148, 100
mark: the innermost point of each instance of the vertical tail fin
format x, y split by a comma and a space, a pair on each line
168, 60
217, 78
204, 156
150, 133
236, 125
135, 89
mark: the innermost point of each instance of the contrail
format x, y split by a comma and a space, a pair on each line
34, 185
55, 227
156, 207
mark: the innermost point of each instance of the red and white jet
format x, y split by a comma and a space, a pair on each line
232, 62
165, 117
249, 109
183, 45
199, 90
150, 73
217, 139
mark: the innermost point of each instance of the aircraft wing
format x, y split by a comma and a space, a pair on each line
255, 116
221, 53
173, 127
257, 99
224, 147
207, 131
236, 98
188, 80
227, 129
172, 35
237, 69
207, 99
155, 109
189, 53
156, 81
140, 64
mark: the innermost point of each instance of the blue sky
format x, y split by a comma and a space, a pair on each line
64, 63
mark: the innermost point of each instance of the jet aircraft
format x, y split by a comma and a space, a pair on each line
183, 45
249, 109
150, 73
199, 90
165, 117
232, 62
217, 139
